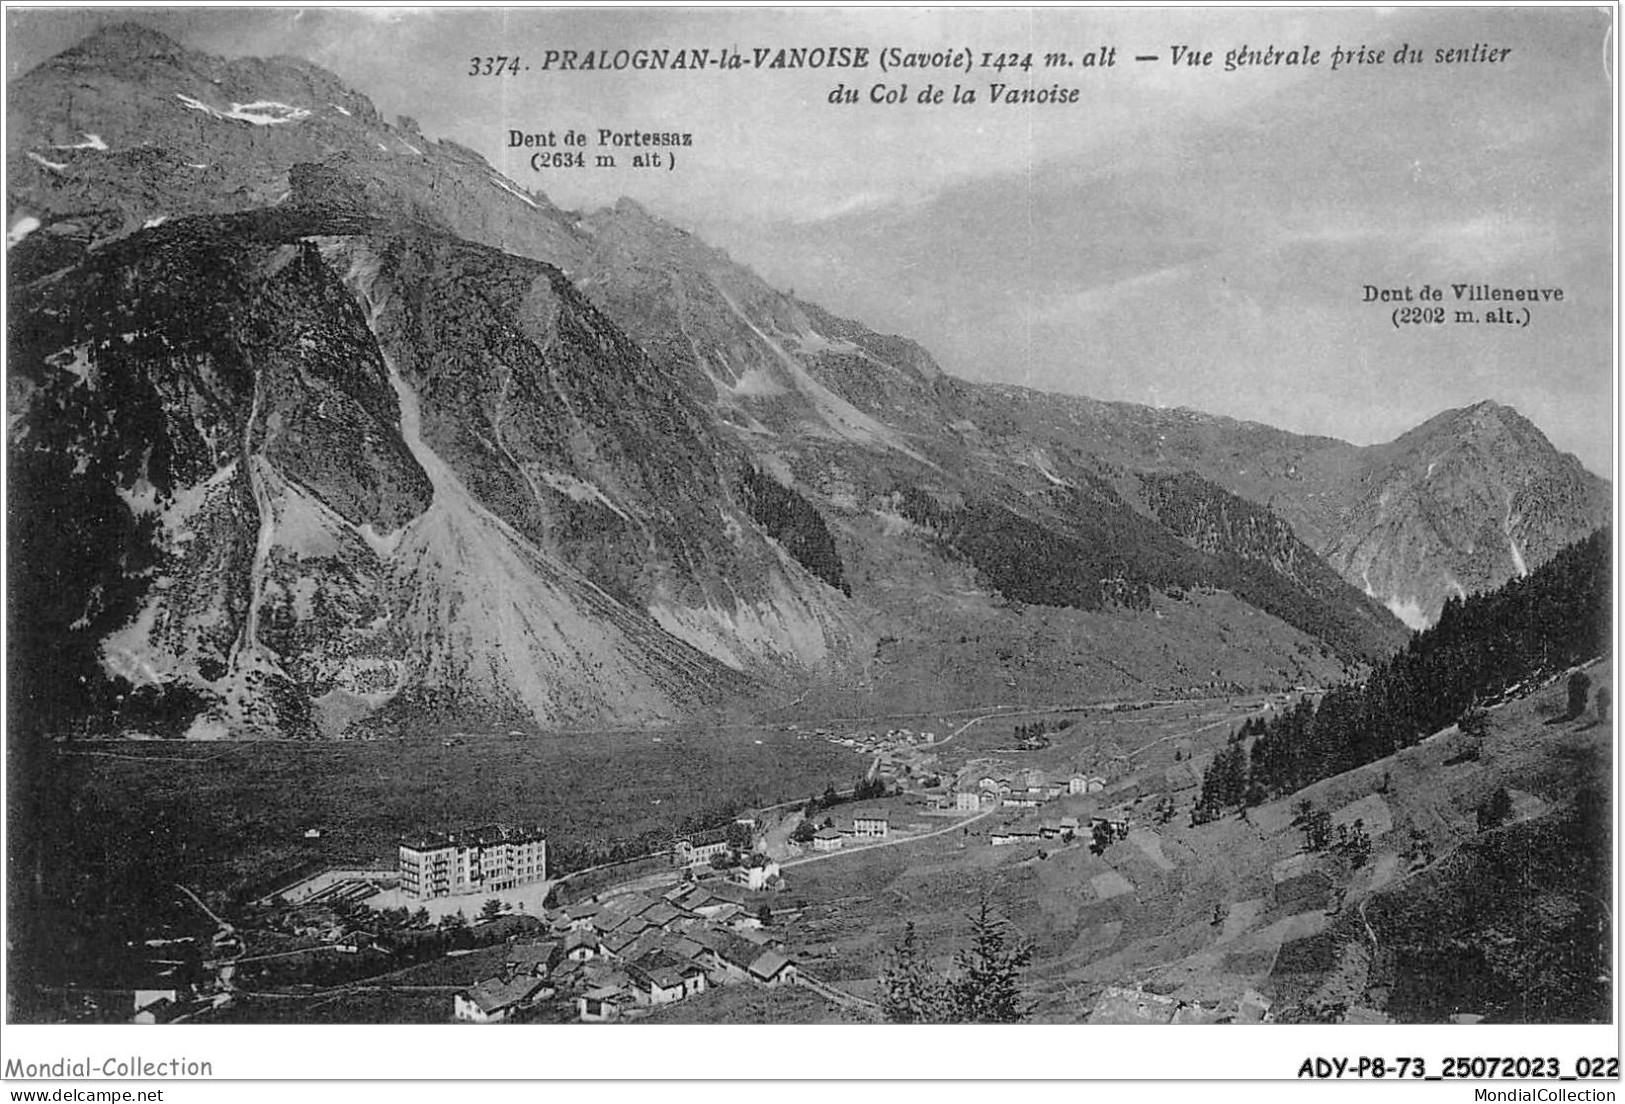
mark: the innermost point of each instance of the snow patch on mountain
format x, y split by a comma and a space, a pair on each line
21, 229
91, 142
1410, 611
257, 113
498, 182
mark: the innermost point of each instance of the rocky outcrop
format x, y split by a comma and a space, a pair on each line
318, 426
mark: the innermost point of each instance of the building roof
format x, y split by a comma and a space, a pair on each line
532, 954
693, 897
736, 951
580, 937
583, 910
687, 948
628, 905
721, 890
826, 834
633, 925
618, 941
659, 960
494, 994
708, 838
487, 835
661, 915
508, 926
769, 965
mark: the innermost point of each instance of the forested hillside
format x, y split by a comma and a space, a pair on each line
1483, 648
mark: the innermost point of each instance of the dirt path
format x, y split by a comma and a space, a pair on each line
1180, 735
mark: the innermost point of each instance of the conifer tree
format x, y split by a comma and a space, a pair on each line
988, 986
911, 993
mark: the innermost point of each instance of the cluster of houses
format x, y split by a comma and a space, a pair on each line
1064, 830
865, 826
874, 743
633, 952
1029, 789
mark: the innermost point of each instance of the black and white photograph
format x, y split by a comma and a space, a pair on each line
1086, 517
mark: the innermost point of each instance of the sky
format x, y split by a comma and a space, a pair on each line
1181, 236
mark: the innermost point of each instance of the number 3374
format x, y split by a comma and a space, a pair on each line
499, 66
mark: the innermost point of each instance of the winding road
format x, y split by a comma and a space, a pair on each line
889, 841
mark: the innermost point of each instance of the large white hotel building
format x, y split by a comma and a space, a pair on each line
475, 860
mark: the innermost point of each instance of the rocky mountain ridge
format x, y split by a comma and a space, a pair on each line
319, 426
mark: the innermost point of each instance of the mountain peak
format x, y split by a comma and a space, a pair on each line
125, 41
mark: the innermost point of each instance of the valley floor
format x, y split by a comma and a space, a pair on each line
1168, 922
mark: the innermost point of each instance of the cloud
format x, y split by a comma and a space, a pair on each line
390, 15
1488, 242
1073, 305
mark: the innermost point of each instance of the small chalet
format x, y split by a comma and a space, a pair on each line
495, 1000
603, 1003
828, 839
662, 978
583, 913
532, 959
734, 955
581, 944
772, 970
615, 944
967, 801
